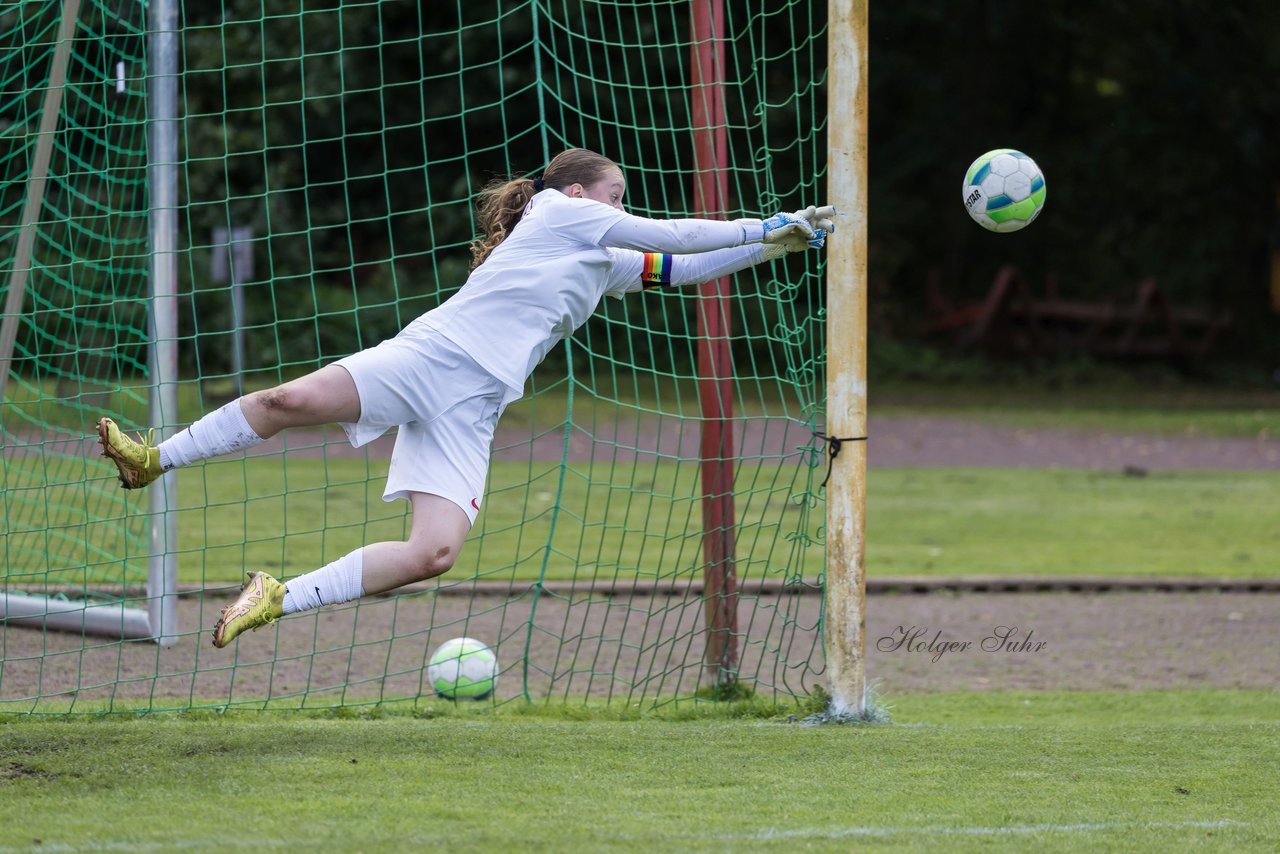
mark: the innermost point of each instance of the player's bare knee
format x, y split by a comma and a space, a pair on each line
441, 560
434, 560
285, 406
280, 400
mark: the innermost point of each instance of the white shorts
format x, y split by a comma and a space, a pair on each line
446, 406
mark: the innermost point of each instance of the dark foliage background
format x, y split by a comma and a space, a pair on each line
1156, 125
341, 133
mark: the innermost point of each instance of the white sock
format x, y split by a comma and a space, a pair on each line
220, 432
340, 581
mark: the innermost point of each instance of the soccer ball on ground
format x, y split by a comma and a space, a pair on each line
1004, 190
463, 669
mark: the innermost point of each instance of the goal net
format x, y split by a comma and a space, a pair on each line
653, 524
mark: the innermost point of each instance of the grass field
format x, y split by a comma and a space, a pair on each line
957, 772
626, 521
646, 523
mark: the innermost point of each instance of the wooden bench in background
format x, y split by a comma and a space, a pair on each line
1012, 320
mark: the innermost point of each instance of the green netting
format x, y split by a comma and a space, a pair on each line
344, 143
81, 338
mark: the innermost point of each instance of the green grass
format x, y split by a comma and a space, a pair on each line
1065, 522
623, 521
955, 772
631, 522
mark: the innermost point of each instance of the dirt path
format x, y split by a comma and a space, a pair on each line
894, 443
649, 645
933, 441
942, 442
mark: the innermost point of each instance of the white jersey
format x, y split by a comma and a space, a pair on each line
547, 277
446, 378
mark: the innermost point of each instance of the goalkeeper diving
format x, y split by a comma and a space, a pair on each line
551, 249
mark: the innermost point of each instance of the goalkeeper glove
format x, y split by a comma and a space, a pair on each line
786, 247
821, 220
798, 243
782, 228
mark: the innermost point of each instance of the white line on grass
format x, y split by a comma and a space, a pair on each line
1091, 827
772, 834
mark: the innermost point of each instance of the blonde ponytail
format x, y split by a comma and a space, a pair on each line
502, 202
498, 210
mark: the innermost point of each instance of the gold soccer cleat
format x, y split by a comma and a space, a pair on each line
138, 462
260, 602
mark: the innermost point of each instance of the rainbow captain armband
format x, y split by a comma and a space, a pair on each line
656, 272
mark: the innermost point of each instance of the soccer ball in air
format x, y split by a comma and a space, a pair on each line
463, 669
1004, 190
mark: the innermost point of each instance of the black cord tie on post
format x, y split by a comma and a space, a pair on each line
834, 443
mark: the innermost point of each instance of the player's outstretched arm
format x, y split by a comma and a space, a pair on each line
634, 271
690, 236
